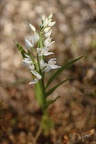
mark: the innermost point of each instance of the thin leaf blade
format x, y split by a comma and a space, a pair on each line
51, 101
65, 66
55, 87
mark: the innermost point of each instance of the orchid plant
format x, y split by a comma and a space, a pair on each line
38, 47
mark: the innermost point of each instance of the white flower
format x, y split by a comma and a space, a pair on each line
31, 67
29, 44
35, 37
51, 65
37, 77
44, 51
47, 34
32, 27
36, 74
43, 18
47, 29
48, 42
50, 16
51, 23
45, 22
27, 61
42, 64
32, 39
39, 51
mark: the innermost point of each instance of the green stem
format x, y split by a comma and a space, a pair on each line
40, 87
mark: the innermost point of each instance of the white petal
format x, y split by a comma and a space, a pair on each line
45, 22
51, 60
49, 20
27, 62
28, 44
40, 51
48, 33
47, 42
36, 37
55, 66
51, 43
34, 81
43, 18
48, 53
50, 16
28, 59
38, 76
47, 29
26, 55
51, 23
47, 69
31, 67
42, 64
32, 27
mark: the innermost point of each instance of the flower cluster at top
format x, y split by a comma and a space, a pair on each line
40, 44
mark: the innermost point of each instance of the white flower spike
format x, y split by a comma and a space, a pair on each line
43, 41
37, 77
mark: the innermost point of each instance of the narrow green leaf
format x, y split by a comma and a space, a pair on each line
65, 66
55, 87
20, 48
51, 102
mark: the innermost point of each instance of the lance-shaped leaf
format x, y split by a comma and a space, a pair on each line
48, 103
65, 66
20, 48
55, 87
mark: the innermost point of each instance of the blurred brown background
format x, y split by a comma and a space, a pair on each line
75, 35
